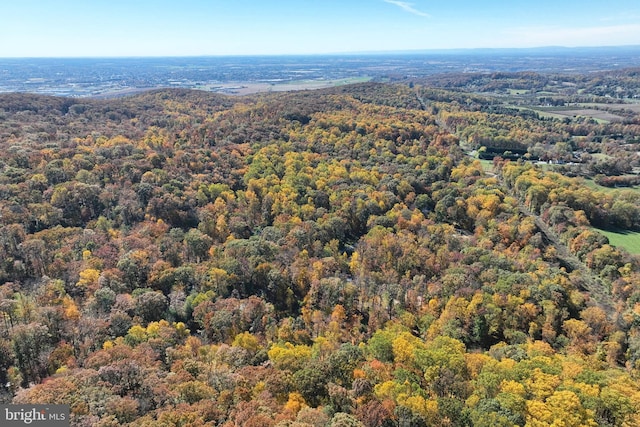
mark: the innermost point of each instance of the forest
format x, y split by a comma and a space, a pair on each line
318, 258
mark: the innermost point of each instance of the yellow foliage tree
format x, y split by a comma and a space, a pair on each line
562, 409
288, 356
88, 279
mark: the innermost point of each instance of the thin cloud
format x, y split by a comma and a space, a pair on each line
407, 7
621, 17
593, 36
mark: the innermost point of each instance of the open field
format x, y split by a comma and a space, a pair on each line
586, 112
487, 165
545, 114
597, 111
630, 240
246, 88
635, 107
593, 185
542, 112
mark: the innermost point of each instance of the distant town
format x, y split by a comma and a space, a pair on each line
108, 77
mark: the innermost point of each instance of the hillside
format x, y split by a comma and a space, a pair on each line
317, 258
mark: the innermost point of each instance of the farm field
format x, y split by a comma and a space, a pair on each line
635, 107
585, 112
247, 88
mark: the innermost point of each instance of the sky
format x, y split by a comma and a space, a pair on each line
96, 28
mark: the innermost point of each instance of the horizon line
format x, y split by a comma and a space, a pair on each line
354, 53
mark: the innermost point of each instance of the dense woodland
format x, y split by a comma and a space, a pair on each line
326, 258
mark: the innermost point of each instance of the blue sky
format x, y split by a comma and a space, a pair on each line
53, 28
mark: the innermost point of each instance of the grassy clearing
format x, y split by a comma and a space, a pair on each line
487, 165
630, 240
591, 184
569, 112
548, 115
337, 82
